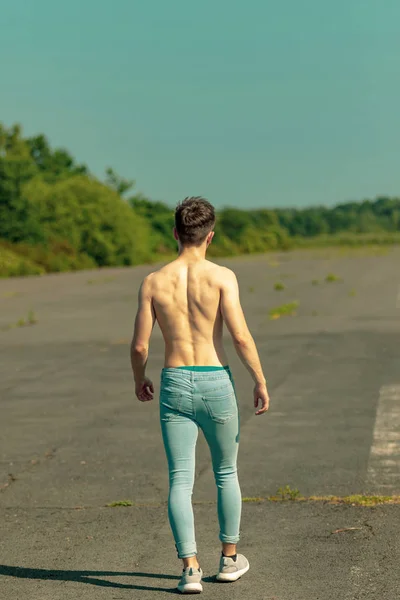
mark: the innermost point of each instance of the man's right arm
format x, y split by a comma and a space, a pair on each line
233, 315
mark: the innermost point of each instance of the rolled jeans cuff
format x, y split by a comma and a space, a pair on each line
186, 549
229, 539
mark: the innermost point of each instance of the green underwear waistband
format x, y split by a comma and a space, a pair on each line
202, 369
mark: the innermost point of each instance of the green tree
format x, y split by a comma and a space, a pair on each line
17, 222
53, 164
234, 222
160, 217
92, 218
118, 183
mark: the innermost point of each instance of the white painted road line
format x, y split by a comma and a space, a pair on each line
384, 458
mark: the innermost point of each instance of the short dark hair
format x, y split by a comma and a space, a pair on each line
194, 219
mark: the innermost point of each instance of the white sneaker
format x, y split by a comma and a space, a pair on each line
231, 570
190, 582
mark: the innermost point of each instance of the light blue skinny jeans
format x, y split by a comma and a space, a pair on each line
190, 400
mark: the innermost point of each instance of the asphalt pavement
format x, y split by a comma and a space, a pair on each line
73, 438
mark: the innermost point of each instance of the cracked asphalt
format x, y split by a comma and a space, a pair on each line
73, 438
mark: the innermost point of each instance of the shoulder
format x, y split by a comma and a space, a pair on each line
147, 284
223, 276
155, 276
155, 280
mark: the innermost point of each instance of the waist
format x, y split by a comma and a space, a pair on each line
194, 352
196, 372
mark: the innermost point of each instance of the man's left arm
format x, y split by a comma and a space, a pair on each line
144, 323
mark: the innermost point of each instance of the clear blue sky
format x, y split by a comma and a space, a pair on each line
251, 103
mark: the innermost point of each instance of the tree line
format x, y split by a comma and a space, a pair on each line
55, 215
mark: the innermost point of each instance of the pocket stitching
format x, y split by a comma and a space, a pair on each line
165, 397
221, 387
208, 397
214, 417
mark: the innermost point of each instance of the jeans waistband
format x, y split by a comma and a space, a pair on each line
195, 375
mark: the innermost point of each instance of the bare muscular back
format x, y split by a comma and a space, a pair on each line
186, 302
191, 299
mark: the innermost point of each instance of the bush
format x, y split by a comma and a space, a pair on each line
54, 257
221, 245
14, 265
91, 219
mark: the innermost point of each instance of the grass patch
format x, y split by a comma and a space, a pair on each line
315, 282
31, 318
331, 278
356, 500
10, 294
23, 321
279, 286
120, 503
285, 310
253, 499
285, 494
372, 250
348, 243
352, 293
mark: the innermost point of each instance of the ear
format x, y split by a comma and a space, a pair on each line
176, 234
209, 238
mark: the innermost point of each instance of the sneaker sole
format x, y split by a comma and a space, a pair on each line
229, 577
191, 588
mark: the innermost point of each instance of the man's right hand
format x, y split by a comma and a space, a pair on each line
261, 398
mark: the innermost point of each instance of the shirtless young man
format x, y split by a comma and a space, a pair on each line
190, 298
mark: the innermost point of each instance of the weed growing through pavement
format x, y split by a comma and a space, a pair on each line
286, 493
331, 277
283, 494
357, 500
10, 294
273, 263
31, 318
23, 322
246, 499
284, 310
352, 293
279, 286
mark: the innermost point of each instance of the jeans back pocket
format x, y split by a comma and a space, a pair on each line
172, 401
170, 405
221, 404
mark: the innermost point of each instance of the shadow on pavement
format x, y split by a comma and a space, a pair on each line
90, 577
